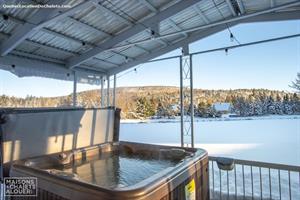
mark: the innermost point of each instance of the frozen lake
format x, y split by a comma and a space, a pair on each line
270, 139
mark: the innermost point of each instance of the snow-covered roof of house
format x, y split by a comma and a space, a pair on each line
104, 37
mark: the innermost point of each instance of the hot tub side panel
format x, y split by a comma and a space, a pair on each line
36, 132
176, 188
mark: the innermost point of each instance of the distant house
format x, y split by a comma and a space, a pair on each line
222, 108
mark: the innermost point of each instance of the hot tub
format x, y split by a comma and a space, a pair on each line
119, 170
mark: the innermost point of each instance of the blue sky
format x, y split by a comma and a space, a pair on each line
271, 66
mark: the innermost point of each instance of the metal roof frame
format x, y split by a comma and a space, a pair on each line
97, 38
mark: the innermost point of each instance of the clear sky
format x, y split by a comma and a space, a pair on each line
271, 66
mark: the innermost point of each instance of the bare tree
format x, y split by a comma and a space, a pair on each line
296, 83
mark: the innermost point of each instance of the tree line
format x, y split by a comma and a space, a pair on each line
160, 101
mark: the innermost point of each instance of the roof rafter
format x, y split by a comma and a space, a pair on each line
87, 26
39, 20
42, 66
201, 14
160, 16
50, 48
272, 3
197, 35
99, 31
149, 5
90, 45
232, 10
57, 34
267, 15
29, 55
43, 46
241, 6
176, 27
192, 38
117, 16
155, 10
106, 61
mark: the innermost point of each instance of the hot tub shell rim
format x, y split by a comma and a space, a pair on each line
144, 187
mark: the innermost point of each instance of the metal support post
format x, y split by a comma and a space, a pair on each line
114, 90
2, 121
186, 99
192, 100
75, 90
181, 103
107, 91
102, 92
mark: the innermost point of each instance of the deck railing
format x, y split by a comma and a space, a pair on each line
254, 180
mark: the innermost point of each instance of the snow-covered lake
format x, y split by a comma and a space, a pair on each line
269, 139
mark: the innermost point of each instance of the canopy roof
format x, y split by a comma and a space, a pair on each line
104, 37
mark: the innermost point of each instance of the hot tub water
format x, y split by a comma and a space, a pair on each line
114, 170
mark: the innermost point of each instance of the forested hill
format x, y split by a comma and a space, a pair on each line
143, 102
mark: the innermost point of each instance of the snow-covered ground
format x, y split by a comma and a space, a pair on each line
274, 139
269, 138
197, 119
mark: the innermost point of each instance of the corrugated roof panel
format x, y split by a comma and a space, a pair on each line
133, 52
26, 48
140, 36
116, 59
205, 5
129, 11
225, 10
2, 37
73, 30
151, 45
166, 28
90, 62
104, 55
214, 14
54, 41
52, 54
255, 5
104, 64
279, 2
192, 22
17, 12
183, 16
7, 26
173, 38
132, 10
160, 3
102, 21
98, 64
